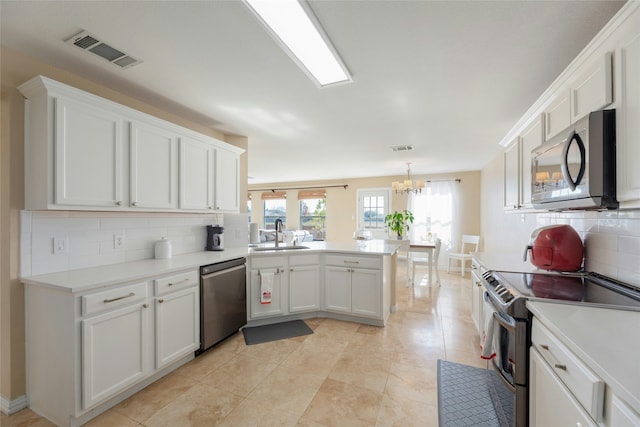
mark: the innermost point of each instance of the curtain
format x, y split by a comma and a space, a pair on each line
435, 213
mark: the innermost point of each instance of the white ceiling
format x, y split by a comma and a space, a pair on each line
449, 77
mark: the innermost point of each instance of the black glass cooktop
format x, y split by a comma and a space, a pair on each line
588, 288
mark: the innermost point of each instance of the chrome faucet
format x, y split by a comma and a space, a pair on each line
278, 225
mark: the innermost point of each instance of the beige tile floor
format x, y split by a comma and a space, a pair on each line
344, 374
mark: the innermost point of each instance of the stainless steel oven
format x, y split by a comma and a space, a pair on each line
506, 294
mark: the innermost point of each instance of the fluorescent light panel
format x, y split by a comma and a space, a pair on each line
295, 27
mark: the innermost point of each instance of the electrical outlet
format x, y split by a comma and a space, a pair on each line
118, 241
60, 245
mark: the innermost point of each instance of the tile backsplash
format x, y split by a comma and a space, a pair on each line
53, 241
611, 240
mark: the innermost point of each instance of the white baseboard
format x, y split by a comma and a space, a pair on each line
9, 407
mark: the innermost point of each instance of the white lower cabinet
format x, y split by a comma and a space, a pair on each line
304, 283
114, 352
353, 285
177, 334
550, 402
277, 306
477, 304
85, 350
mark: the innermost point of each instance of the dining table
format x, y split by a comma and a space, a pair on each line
421, 246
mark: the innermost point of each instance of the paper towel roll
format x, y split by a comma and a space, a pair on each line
254, 234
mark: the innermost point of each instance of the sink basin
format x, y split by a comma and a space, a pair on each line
279, 248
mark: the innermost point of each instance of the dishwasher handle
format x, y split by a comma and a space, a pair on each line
218, 273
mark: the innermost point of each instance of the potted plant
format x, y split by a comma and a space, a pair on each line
399, 221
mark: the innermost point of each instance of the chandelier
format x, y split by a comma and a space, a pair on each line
407, 186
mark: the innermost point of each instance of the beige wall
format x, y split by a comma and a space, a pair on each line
341, 203
16, 69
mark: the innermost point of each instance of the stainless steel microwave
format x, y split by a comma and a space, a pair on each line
577, 168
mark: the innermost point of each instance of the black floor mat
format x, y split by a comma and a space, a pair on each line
470, 396
277, 331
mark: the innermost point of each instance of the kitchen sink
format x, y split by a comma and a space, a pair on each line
279, 248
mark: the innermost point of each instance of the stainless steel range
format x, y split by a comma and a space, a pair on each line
505, 296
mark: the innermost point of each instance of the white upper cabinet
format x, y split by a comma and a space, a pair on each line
512, 176
531, 138
557, 116
154, 165
628, 134
196, 174
88, 146
593, 90
227, 180
83, 152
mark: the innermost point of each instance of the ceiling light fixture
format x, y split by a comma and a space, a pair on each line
407, 186
293, 25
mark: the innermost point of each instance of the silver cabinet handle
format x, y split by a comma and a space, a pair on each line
177, 283
544, 346
107, 301
145, 305
161, 300
134, 204
559, 366
119, 203
209, 207
351, 262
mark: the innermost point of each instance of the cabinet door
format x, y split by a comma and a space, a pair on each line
531, 138
115, 352
153, 167
337, 285
512, 176
557, 117
550, 402
278, 297
366, 292
304, 288
227, 180
177, 325
476, 301
196, 174
628, 137
593, 90
88, 155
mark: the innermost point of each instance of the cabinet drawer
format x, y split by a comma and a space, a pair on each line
176, 282
268, 262
304, 260
585, 385
353, 261
114, 298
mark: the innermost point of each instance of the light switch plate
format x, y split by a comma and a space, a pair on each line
60, 245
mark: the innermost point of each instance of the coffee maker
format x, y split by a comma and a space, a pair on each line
214, 242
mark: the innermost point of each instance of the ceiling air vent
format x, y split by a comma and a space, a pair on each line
402, 148
90, 43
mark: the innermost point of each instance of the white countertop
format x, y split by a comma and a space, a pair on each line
607, 340
87, 279
507, 261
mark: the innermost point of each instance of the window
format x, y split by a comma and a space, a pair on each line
249, 209
373, 206
313, 214
433, 211
274, 209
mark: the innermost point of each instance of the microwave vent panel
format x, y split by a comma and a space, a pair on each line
90, 43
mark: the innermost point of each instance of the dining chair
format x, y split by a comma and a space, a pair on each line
468, 244
425, 261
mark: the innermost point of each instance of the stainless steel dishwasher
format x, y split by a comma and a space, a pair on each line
223, 301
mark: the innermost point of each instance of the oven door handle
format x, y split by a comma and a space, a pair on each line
504, 323
502, 377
